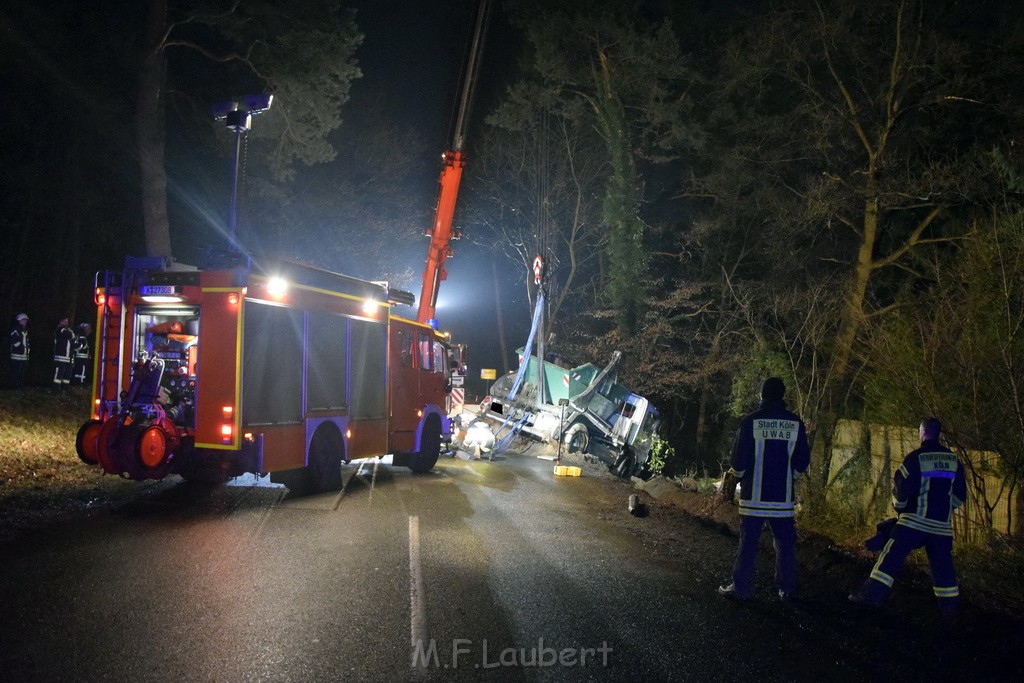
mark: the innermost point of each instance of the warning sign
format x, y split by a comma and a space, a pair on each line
488, 373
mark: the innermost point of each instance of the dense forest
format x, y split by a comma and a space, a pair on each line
825, 190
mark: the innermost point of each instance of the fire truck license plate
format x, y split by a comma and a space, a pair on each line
157, 290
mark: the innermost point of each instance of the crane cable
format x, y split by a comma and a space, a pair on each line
542, 184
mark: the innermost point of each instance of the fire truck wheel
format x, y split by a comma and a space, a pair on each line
87, 442
425, 458
326, 451
577, 438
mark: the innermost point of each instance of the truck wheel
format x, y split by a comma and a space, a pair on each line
425, 458
326, 451
87, 442
626, 466
577, 438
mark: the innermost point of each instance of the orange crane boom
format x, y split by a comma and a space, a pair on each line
441, 233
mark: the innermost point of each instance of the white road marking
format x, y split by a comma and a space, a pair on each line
417, 600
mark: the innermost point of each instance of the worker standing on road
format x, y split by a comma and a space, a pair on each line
82, 353
19, 351
927, 487
63, 343
770, 449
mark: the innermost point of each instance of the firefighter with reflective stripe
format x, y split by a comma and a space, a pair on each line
19, 350
927, 487
82, 353
63, 343
769, 451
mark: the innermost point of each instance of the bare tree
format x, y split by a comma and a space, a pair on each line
305, 55
542, 176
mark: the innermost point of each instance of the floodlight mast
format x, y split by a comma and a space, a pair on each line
237, 116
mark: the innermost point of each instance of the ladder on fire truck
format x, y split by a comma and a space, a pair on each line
110, 367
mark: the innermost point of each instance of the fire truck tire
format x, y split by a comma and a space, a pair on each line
87, 442
326, 451
425, 458
576, 438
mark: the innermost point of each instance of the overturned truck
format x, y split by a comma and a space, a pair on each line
584, 409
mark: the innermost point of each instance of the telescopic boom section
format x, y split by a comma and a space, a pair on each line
441, 234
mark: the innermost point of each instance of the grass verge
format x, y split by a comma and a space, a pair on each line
41, 477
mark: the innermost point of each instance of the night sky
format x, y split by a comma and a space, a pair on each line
413, 56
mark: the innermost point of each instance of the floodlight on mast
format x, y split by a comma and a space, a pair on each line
237, 116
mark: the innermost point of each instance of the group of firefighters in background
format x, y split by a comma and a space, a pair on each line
72, 352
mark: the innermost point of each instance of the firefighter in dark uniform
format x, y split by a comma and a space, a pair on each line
927, 487
770, 449
19, 351
63, 343
82, 353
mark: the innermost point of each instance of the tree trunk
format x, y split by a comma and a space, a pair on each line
627, 264
149, 122
68, 287
819, 472
502, 342
853, 314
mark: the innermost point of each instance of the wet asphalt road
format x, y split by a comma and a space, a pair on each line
478, 569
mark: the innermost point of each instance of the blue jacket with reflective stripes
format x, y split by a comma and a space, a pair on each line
769, 450
19, 344
927, 487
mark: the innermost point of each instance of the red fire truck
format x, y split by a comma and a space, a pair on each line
214, 372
